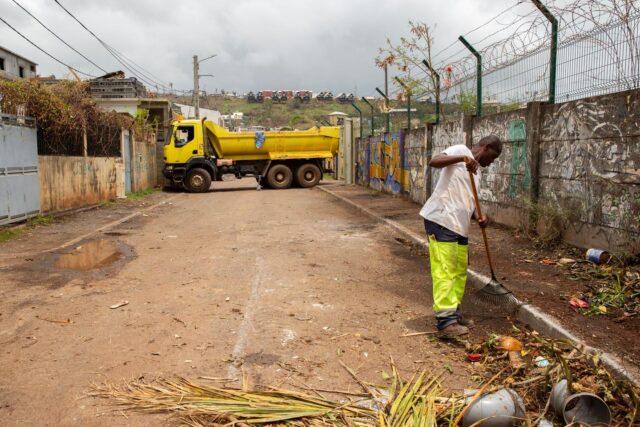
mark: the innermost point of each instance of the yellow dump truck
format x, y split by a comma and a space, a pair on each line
200, 152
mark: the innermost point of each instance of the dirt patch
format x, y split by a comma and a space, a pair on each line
522, 268
280, 300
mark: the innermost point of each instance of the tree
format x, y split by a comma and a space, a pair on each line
407, 56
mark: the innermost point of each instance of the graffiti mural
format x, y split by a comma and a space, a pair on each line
382, 163
394, 164
376, 162
508, 179
520, 173
415, 145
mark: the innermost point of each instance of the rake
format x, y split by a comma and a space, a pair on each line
493, 292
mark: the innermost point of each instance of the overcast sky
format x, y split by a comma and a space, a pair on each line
260, 44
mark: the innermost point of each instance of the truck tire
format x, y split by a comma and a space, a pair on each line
308, 175
279, 177
197, 180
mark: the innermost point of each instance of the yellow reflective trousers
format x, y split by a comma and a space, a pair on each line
449, 262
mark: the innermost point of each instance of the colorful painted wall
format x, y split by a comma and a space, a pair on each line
387, 163
580, 159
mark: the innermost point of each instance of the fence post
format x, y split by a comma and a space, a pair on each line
428, 155
478, 75
424, 61
371, 106
408, 92
85, 142
467, 129
554, 49
533, 123
360, 123
386, 104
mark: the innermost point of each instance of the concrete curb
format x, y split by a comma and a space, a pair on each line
526, 313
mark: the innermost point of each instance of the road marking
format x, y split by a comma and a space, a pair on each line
247, 322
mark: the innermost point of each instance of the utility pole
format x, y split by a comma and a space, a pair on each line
196, 81
196, 86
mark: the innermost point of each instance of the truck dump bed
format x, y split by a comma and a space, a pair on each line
314, 143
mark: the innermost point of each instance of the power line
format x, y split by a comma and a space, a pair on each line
44, 51
55, 35
117, 55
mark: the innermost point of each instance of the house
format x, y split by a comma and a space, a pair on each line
158, 114
14, 66
49, 80
337, 118
116, 85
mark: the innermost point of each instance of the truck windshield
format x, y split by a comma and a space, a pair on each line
182, 135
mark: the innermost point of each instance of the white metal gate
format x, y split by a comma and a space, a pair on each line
19, 185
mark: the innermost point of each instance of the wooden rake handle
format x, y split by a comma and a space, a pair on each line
478, 216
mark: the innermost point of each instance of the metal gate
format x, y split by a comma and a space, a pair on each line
19, 185
126, 152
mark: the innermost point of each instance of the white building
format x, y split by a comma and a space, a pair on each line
189, 112
14, 66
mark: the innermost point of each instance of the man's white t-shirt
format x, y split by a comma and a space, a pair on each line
451, 204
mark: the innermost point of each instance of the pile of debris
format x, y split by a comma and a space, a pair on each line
522, 379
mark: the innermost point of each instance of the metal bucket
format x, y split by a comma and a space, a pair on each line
584, 409
598, 256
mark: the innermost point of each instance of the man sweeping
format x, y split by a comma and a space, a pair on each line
447, 216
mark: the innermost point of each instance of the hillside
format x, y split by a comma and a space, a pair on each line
295, 114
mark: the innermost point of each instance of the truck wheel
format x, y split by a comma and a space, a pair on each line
197, 180
279, 177
308, 175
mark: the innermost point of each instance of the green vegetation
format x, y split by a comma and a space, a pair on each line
7, 234
39, 220
107, 203
137, 195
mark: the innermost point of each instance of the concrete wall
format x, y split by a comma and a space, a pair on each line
72, 182
143, 163
590, 166
580, 158
443, 136
68, 182
507, 182
415, 147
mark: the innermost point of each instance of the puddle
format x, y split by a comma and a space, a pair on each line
90, 255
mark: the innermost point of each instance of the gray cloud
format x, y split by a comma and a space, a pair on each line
278, 44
